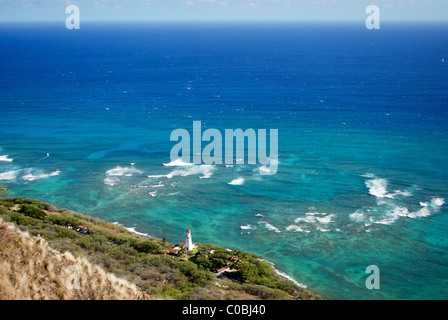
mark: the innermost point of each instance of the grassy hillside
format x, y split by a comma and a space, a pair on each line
142, 261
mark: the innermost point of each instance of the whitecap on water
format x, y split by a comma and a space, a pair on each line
295, 228
358, 216
378, 188
160, 185
205, 169
177, 163
36, 174
237, 182
319, 219
111, 181
9, 175
6, 159
123, 171
114, 174
395, 211
269, 226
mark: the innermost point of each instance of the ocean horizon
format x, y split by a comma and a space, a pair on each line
86, 118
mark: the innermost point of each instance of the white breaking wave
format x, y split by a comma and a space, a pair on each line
315, 213
289, 278
177, 163
281, 273
295, 228
206, 170
396, 212
423, 212
393, 215
153, 194
111, 181
160, 185
136, 232
114, 174
268, 169
123, 171
9, 175
428, 208
132, 229
158, 176
6, 159
317, 218
326, 220
269, 226
38, 174
358, 216
401, 193
437, 201
378, 188
313, 217
309, 219
237, 182
246, 227
188, 170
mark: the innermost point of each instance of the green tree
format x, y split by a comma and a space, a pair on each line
3, 190
32, 211
148, 246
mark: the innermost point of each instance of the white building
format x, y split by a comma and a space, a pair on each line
188, 243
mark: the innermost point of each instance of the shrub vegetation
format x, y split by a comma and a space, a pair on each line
145, 262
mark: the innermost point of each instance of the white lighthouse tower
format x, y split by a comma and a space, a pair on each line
188, 242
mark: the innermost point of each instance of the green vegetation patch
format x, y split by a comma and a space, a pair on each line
145, 260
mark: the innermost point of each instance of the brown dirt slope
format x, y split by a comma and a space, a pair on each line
30, 269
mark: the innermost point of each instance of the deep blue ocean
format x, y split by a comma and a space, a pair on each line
362, 115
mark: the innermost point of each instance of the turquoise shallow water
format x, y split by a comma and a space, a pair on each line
362, 126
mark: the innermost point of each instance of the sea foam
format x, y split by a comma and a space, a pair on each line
269, 169
284, 275
35, 174
237, 182
6, 159
9, 175
123, 171
397, 211
205, 169
295, 228
358, 216
378, 188
177, 163
114, 174
269, 226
